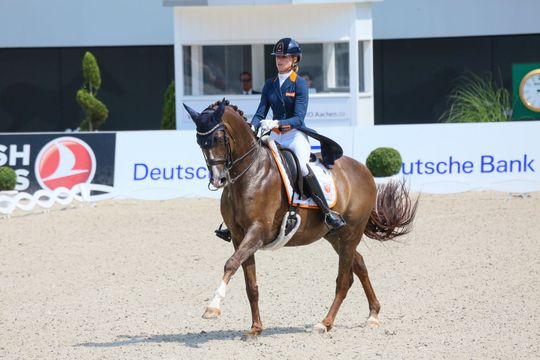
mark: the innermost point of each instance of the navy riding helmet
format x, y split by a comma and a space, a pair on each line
287, 46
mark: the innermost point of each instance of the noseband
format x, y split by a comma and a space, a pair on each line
228, 160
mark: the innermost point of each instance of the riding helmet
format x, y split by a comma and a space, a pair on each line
287, 46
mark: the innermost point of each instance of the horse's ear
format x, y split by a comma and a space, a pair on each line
194, 115
220, 110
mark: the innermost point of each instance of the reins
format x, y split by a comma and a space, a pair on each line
232, 162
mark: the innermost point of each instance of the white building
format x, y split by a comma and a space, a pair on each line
399, 70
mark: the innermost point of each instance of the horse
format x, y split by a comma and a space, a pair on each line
254, 202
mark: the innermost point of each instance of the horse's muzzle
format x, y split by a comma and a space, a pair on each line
218, 182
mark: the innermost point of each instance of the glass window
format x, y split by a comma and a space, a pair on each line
215, 70
186, 50
210, 70
222, 66
361, 78
325, 66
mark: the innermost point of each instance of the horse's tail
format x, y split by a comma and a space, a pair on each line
394, 213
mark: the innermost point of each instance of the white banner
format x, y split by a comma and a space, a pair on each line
446, 158
437, 158
323, 109
160, 165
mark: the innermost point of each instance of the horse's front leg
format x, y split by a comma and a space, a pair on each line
249, 245
252, 290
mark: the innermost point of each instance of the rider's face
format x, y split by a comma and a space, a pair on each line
284, 63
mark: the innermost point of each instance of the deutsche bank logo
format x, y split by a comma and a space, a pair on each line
143, 171
486, 164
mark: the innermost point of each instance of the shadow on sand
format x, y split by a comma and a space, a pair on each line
191, 339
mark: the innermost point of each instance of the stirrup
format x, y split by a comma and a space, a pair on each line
223, 234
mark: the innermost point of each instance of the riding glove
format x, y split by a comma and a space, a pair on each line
267, 125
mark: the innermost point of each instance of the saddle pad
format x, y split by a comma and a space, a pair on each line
324, 176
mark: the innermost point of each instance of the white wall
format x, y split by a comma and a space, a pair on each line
50, 23
267, 23
43, 23
396, 19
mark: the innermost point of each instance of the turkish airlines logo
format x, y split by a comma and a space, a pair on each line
65, 161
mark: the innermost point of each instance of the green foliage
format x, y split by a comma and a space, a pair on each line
384, 161
168, 120
8, 178
91, 73
95, 112
478, 99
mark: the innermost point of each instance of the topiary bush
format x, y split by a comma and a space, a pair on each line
168, 120
8, 178
384, 161
95, 112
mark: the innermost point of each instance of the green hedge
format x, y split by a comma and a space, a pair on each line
384, 161
8, 178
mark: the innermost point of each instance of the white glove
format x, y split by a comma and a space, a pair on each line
267, 125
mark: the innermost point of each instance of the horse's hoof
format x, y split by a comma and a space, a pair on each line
373, 323
319, 329
251, 335
211, 313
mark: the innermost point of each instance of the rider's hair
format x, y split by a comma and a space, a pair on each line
294, 66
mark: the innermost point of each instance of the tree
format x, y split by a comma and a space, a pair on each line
95, 112
168, 120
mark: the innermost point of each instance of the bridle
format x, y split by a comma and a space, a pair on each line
228, 161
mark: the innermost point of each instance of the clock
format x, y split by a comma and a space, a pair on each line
529, 90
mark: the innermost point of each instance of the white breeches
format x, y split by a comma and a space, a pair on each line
298, 142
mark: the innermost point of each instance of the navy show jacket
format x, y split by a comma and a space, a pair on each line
289, 102
289, 105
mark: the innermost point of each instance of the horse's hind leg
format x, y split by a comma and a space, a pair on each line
250, 276
360, 269
344, 281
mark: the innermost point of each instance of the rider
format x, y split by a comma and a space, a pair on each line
287, 94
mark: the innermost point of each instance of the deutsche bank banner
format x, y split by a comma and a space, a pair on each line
160, 165
437, 158
446, 158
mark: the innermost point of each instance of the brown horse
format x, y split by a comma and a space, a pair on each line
254, 203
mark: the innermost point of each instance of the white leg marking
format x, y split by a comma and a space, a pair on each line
319, 329
373, 322
219, 295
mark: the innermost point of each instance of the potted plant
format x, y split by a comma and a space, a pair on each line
478, 98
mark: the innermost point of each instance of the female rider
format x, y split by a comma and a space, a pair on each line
287, 94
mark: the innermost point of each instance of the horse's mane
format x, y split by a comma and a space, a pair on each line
227, 103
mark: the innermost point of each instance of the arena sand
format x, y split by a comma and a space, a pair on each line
130, 280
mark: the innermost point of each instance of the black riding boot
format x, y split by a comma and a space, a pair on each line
224, 234
334, 220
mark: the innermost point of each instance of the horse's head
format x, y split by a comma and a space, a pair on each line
225, 138
213, 141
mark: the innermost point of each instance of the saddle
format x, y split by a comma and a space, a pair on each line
293, 181
291, 166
